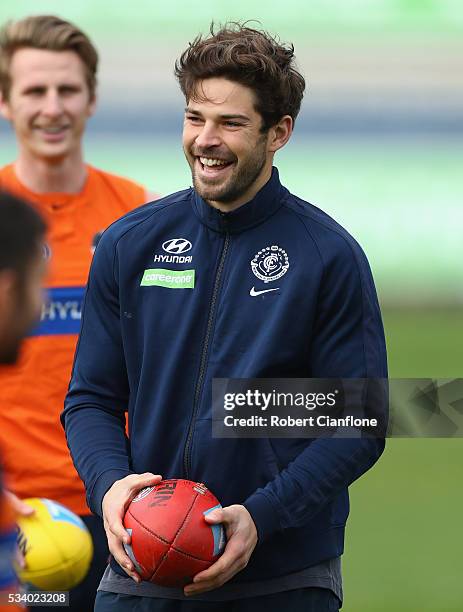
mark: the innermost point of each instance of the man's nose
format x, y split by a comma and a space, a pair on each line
53, 106
209, 136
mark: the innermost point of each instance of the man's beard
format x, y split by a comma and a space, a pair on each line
241, 179
25, 319
9, 355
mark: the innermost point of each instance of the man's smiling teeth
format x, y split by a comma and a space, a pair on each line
207, 161
53, 130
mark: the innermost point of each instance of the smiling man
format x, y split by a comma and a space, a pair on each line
47, 93
276, 289
224, 145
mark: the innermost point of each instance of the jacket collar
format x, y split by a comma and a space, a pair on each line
264, 204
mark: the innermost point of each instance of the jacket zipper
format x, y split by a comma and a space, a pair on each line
203, 363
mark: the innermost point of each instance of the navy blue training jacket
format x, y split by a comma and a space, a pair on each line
154, 351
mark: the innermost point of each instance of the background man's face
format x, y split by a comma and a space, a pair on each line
49, 102
21, 298
222, 141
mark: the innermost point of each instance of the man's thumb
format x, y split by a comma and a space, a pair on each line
18, 505
147, 479
215, 516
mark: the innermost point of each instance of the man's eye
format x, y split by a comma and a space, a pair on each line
36, 91
232, 124
193, 118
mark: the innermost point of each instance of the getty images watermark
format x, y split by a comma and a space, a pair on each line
312, 408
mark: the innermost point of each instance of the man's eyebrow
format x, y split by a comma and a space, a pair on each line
235, 116
226, 116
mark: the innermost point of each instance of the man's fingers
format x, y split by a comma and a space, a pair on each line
117, 529
242, 536
114, 504
213, 580
128, 488
19, 558
217, 581
212, 572
18, 505
231, 555
230, 563
118, 552
140, 481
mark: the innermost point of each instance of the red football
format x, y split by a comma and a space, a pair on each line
171, 541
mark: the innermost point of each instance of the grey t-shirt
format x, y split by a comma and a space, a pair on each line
326, 575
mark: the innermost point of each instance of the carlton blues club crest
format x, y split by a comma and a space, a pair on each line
270, 264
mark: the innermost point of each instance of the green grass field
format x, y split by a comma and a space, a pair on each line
403, 545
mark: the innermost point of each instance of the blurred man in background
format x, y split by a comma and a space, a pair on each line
47, 92
22, 268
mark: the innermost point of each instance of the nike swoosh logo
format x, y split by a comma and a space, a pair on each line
253, 292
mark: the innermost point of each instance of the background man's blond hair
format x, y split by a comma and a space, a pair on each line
45, 32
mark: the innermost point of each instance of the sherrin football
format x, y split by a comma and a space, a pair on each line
56, 545
171, 541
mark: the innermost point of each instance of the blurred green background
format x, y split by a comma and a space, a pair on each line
378, 146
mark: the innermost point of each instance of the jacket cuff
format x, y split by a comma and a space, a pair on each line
101, 486
263, 514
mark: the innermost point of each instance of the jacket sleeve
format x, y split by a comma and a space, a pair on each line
348, 342
96, 402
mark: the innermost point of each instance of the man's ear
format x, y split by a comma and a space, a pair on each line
4, 107
280, 133
7, 289
92, 106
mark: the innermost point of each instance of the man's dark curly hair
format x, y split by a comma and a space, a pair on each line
250, 57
